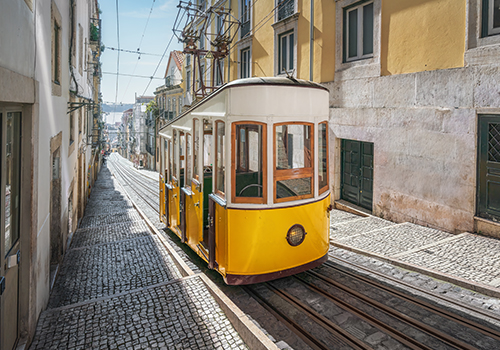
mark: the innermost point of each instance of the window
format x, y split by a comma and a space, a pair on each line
245, 63
286, 8
56, 50
293, 144
220, 158
80, 49
171, 171
249, 155
188, 80
323, 157
491, 17
219, 73
71, 128
174, 107
189, 158
285, 56
202, 42
173, 153
245, 17
196, 148
358, 32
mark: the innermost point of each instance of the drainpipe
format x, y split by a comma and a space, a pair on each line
311, 43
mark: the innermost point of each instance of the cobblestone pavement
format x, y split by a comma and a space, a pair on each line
118, 288
467, 259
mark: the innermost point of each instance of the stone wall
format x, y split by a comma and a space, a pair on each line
424, 129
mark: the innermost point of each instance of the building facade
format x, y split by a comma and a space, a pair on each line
414, 98
170, 97
49, 115
139, 133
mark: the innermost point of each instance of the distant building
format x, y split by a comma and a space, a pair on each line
170, 97
139, 133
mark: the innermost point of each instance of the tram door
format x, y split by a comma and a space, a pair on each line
10, 131
182, 183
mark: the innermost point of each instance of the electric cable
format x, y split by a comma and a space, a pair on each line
139, 49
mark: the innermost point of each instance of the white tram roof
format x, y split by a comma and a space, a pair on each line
257, 98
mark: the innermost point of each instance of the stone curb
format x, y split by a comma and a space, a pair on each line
474, 286
253, 337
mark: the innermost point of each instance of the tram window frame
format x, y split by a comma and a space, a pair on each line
236, 160
294, 173
174, 159
218, 191
196, 151
325, 160
188, 158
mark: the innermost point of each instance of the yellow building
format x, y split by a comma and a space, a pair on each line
414, 97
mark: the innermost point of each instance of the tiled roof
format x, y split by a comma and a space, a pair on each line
178, 58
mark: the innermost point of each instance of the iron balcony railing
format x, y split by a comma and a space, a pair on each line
286, 9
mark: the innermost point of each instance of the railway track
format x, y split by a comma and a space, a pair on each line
136, 182
332, 307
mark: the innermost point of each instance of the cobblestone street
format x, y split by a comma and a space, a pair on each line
119, 288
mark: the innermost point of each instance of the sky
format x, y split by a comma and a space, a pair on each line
132, 19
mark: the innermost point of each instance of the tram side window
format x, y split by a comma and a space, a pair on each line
323, 157
174, 158
249, 175
220, 158
181, 159
188, 160
165, 164
293, 162
170, 157
196, 148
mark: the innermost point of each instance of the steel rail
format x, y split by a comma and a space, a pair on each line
449, 300
296, 328
133, 184
424, 327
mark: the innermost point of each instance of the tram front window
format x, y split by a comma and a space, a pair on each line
249, 174
293, 161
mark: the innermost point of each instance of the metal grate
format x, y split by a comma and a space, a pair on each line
494, 143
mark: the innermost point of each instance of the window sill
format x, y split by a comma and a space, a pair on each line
282, 22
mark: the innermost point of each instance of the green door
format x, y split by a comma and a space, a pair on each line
488, 201
357, 172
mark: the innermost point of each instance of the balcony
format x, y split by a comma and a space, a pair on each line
286, 9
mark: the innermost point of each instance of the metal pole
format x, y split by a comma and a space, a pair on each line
311, 43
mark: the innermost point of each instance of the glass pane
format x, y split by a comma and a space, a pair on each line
352, 33
189, 140
496, 14
283, 54
323, 154
368, 29
293, 146
221, 135
293, 187
290, 54
249, 174
196, 148
181, 150
174, 156
12, 148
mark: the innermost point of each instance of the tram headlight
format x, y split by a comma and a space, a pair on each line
296, 235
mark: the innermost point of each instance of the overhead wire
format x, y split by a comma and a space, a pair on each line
118, 57
139, 48
132, 51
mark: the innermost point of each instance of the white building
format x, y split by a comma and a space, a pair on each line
49, 82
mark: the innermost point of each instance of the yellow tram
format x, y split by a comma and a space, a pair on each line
245, 180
